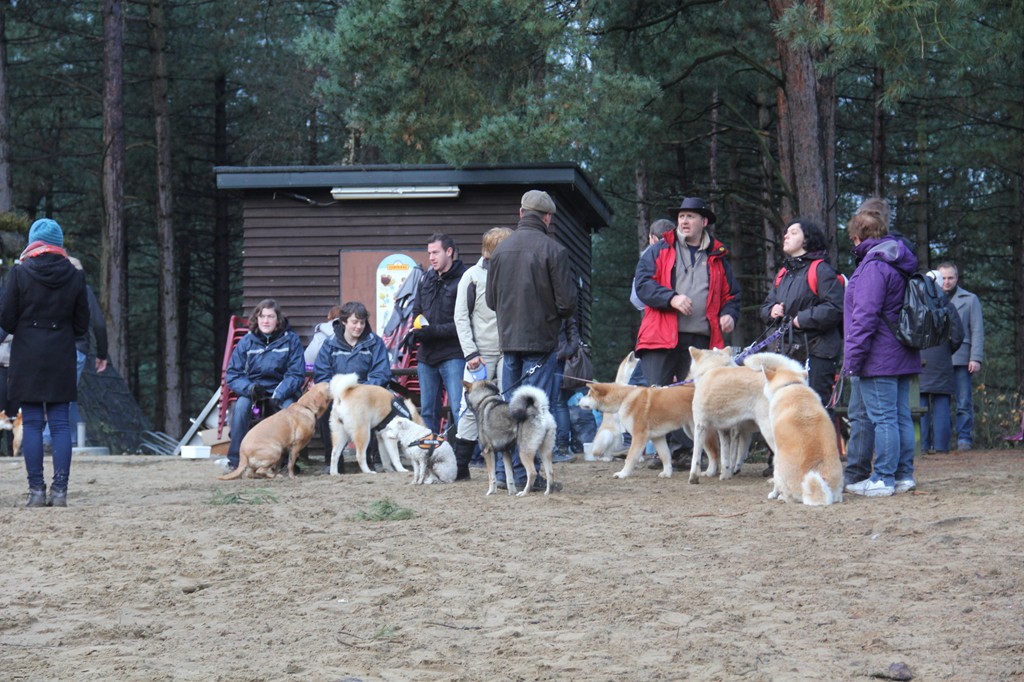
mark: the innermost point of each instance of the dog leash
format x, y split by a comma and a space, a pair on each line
786, 325
529, 373
751, 349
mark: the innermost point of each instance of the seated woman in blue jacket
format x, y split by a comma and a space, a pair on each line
267, 364
353, 349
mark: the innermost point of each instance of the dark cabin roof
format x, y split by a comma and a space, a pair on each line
595, 211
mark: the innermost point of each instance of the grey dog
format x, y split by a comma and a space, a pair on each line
524, 420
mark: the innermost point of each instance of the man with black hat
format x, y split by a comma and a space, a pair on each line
530, 287
686, 283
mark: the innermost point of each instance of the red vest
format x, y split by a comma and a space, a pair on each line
659, 330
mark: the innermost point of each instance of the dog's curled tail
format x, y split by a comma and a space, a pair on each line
243, 462
341, 383
815, 491
411, 406
526, 402
761, 360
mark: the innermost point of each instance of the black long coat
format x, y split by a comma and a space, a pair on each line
45, 307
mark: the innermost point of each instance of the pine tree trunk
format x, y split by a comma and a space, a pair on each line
6, 185
115, 255
765, 166
806, 124
221, 230
878, 184
169, 370
643, 209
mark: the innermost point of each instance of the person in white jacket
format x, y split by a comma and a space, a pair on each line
321, 333
477, 326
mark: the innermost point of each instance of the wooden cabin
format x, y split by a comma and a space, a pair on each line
315, 237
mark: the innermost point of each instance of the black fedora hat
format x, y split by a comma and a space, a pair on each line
696, 206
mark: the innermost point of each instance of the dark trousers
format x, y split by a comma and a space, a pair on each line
669, 366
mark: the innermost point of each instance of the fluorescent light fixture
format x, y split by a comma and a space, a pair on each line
406, 192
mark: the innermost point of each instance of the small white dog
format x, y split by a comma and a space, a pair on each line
405, 437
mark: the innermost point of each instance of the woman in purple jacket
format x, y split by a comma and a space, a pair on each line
879, 365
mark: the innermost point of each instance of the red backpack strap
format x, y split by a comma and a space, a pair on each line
812, 275
778, 277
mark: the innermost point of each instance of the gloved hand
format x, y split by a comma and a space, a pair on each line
425, 334
257, 393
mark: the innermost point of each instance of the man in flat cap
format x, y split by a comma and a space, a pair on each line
531, 289
686, 283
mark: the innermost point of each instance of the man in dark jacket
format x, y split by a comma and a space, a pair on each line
938, 384
531, 289
439, 358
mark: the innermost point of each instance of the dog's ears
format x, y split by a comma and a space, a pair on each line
696, 353
768, 371
466, 385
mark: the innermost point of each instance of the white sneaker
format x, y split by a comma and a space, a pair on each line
905, 486
869, 488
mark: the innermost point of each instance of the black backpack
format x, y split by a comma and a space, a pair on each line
924, 319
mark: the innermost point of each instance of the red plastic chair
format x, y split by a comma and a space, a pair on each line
237, 328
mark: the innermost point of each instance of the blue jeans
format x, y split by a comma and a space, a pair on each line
887, 401
34, 415
861, 446
515, 367
936, 423
431, 378
964, 405
241, 420
560, 410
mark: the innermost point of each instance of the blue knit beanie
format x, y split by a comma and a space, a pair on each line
46, 230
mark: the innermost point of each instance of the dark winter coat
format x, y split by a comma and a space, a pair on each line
98, 326
368, 358
877, 286
820, 316
435, 300
46, 307
276, 363
937, 361
530, 286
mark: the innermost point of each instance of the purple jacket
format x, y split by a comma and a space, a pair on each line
877, 285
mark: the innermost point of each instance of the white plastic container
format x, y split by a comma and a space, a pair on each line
195, 451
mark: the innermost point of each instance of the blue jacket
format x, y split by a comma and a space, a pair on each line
877, 286
274, 362
368, 358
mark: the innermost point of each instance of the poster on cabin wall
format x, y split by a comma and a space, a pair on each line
392, 272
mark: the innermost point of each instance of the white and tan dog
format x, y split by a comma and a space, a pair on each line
357, 409
15, 426
807, 466
730, 399
431, 457
608, 440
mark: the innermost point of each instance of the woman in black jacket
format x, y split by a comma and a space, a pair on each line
45, 307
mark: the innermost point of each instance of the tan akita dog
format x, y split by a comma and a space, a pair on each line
648, 413
807, 466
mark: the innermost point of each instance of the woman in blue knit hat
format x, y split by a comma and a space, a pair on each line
45, 307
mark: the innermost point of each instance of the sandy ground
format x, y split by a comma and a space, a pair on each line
142, 578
